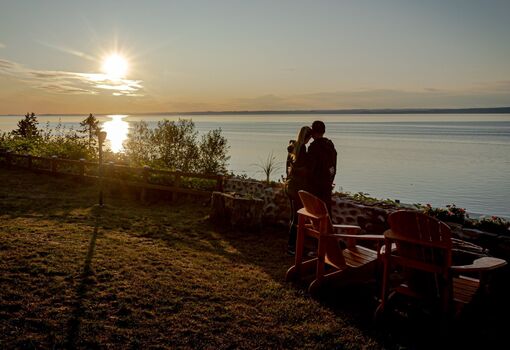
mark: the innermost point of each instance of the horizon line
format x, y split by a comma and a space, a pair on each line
489, 110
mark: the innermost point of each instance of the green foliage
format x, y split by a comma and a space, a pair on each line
23, 139
91, 127
27, 127
16, 144
171, 145
493, 224
269, 166
59, 141
213, 153
451, 213
365, 198
454, 214
139, 145
175, 146
64, 143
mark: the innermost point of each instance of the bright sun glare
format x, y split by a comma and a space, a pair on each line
116, 132
115, 66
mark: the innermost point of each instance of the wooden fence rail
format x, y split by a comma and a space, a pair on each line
142, 178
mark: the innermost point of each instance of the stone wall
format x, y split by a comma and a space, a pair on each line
371, 218
276, 204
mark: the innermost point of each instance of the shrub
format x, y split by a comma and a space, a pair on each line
493, 224
62, 142
269, 166
451, 213
213, 153
175, 146
364, 198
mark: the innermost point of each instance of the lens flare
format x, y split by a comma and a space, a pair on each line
115, 66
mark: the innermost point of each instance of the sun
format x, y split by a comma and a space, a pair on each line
115, 66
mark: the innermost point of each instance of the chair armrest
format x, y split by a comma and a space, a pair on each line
479, 265
366, 237
352, 229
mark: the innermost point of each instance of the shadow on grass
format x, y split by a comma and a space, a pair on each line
81, 292
410, 327
186, 226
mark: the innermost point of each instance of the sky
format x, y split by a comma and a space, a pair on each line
220, 55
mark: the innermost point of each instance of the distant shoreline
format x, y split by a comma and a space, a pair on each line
493, 110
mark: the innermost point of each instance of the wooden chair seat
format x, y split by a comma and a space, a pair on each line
464, 289
359, 256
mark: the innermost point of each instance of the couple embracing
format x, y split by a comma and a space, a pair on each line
311, 169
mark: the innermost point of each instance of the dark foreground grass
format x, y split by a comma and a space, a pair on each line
130, 275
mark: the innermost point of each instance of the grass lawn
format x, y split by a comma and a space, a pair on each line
160, 275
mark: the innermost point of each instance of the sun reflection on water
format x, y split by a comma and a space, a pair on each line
117, 130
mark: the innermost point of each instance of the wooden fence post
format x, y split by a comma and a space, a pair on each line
177, 183
219, 183
145, 174
54, 165
29, 162
8, 159
111, 169
82, 168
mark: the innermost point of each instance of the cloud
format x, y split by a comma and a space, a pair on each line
2, 46
67, 50
62, 82
6, 65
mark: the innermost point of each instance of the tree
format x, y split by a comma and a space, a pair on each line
174, 145
213, 150
27, 127
139, 146
91, 126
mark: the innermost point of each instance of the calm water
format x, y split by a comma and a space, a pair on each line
436, 159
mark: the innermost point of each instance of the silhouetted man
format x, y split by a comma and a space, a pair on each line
322, 155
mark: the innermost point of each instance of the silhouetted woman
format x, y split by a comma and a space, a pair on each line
297, 179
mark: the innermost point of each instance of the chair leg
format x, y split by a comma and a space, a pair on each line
304, 268
384, 286
321, 257
300, 243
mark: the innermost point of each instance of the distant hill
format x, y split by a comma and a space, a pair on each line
491, 110
362, 111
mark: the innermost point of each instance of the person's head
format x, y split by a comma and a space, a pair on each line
304, 135
318, 129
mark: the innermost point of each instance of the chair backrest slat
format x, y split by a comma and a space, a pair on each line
323, 225
424, 248
318, 208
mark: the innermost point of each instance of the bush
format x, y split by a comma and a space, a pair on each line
493, 224
175, 146
62, 142
364, 198
213, 153
451, 213
454, 214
